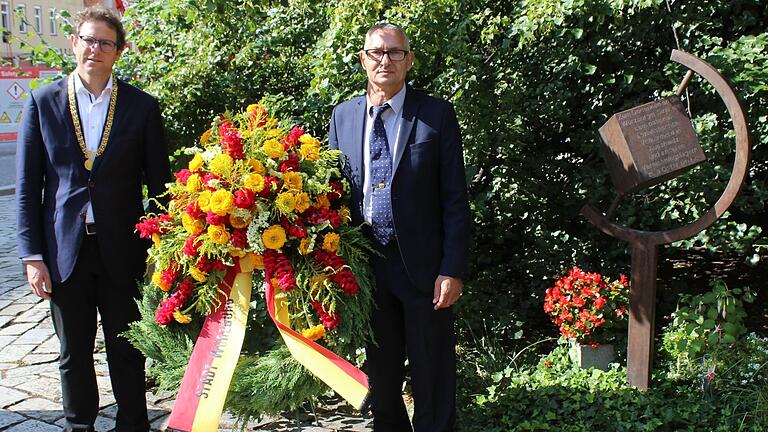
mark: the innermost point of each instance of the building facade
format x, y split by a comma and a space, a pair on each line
27, 23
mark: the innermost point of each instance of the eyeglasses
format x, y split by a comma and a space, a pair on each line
105, 45
376, 54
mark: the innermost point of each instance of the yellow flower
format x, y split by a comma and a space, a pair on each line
301, 202
192, 225
196, 163
194, 183
304, 246
218, 234
272, 148
156, 240
157, 279
309, 151
314, 333
292, 181
257, 166
309, 140
254, 182
331, 242
222, 202
285, 202
198, 274
322, 201
238, 221
180, 317
204, 200
273, 237
221, 164
274, 133
253, 107
205, 137
345, 213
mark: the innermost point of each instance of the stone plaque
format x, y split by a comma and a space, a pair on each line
648, 144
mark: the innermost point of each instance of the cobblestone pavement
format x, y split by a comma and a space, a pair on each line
30, 394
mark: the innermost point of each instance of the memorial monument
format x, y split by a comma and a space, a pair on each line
646, 145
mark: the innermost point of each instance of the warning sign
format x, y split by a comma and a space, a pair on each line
15, 90
15, 83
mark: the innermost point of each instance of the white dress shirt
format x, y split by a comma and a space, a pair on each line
93, 115
393, 121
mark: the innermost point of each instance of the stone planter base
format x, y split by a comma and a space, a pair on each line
587, 356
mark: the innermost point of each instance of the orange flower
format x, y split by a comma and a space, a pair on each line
274, 237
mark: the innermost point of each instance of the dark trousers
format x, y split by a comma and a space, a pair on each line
73, 308
405, 324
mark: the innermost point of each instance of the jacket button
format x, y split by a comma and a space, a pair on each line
82, 215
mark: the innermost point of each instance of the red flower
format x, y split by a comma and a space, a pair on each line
183, 175
193, 210
330, 321
290, 164
231, 141
153, 225
239, 238
191, 246
579, 302
338, 191
244, 198
213, 219
278, 267
292, 138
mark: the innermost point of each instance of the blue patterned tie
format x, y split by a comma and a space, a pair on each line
381, 172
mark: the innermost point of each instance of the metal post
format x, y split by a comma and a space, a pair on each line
642, 311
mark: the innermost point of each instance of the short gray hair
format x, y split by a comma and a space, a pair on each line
387, 26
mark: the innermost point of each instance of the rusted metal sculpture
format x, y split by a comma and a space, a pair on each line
644, 244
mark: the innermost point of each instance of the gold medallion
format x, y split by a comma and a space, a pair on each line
90, 156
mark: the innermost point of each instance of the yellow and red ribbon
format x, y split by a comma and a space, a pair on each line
200, 400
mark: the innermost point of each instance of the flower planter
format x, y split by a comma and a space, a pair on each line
589, 356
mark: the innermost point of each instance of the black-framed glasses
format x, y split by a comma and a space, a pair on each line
105, 45
378, 54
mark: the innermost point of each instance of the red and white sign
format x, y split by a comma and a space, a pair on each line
14, 86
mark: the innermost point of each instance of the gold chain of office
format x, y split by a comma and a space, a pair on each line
90, 156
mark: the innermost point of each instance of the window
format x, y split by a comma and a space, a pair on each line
5, 20
21, 15
38, 19
52, 20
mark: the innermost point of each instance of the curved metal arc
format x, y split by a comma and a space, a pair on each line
733, 187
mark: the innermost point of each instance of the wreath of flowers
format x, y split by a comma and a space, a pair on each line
581, 302
259, 191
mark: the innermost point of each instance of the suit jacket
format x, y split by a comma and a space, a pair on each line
53, 187
430, 208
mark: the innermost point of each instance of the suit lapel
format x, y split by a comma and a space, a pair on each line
355, 151
410, 107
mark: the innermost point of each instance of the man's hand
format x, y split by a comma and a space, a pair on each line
447, 291
39, 279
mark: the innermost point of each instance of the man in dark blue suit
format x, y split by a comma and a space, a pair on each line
86, 145
405, 164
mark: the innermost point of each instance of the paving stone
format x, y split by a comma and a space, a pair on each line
30, 298
39, 408
5, 319
16, 329
5, 340
9, 396
104, 423
33, 370
15, 352
35, 359
160, 424
33, 315
50, 346
14, 309
8, 418
34, 336
34, 426
42, 386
